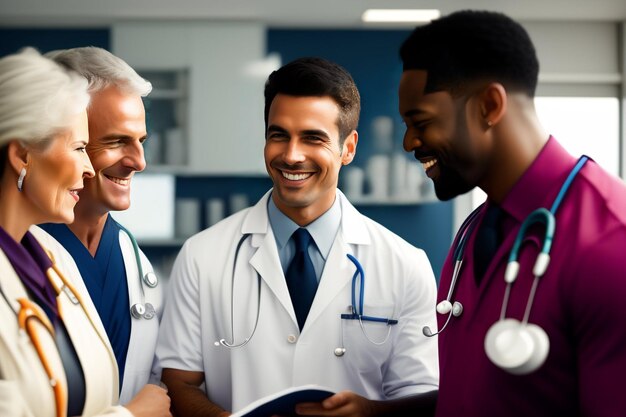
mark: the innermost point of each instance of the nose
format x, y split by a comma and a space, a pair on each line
88, 171
411, 141
134, 156
293, 152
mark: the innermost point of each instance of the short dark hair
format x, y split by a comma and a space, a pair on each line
469, 46
317, 77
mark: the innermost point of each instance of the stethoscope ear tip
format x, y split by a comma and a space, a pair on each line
150, 279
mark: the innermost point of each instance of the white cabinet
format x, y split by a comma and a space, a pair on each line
167, 119
224, 69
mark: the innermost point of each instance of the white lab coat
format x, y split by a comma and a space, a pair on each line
141, 367
399, 283
24, 386
143, 336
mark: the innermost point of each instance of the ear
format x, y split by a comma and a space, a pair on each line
349, 148
18, 156
493, 104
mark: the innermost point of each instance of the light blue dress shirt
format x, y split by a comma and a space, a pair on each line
323, 231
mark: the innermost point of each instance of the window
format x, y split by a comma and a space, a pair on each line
583, 125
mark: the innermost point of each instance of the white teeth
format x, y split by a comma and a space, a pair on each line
74, 192
296, 177
428, 164
119, 180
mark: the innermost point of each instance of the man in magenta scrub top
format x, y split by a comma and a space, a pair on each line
466, 96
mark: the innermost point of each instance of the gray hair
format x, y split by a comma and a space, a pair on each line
38, 98
102, 69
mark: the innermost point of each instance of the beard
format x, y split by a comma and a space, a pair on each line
450, 183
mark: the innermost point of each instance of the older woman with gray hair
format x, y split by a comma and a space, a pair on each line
55, 358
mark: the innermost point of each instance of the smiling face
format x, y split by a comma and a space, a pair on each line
117, 130
303, 155
441, 135
55, 174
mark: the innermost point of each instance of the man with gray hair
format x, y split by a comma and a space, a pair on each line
118, 276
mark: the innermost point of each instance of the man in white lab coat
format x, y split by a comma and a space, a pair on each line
106, 255
235, 320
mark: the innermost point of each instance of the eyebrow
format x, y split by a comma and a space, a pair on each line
307, 132
276, 128
414, 112
116, 136
315, 132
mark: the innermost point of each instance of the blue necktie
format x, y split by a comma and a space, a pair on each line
488, 238
300, 275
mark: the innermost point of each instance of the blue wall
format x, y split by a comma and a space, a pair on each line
372, 58
46, 40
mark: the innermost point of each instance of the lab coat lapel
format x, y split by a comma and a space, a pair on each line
339, 270
265, 259
66, 306
337, 274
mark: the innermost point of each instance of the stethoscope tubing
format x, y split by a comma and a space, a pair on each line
143, 309
542, 215
222, 341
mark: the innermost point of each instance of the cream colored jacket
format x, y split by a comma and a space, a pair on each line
25, 390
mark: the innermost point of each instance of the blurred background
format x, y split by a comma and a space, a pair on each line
208, 61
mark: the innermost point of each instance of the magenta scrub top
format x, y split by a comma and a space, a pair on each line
579, 302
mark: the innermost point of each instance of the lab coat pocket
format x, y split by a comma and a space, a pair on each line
368, 343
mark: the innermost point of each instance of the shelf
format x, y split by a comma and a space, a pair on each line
187, 171
177, 242
392, 201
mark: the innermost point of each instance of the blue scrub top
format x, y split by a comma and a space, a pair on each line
105, 279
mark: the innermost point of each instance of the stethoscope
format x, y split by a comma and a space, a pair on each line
29, 312
141, 309
516, 346
356, 312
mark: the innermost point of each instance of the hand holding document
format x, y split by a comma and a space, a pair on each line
283, 402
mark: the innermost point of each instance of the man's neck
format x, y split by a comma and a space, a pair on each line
89, 230
304, 216
520, 139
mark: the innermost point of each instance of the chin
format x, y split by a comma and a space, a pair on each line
450, 185
119, 205
66, 218
446, 194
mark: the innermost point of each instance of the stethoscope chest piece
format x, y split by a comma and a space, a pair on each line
137, 310
150, 311
145, 311
517, 347
150, 279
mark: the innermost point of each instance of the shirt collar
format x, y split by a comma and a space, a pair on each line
26, 255
540, 184
323, 230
